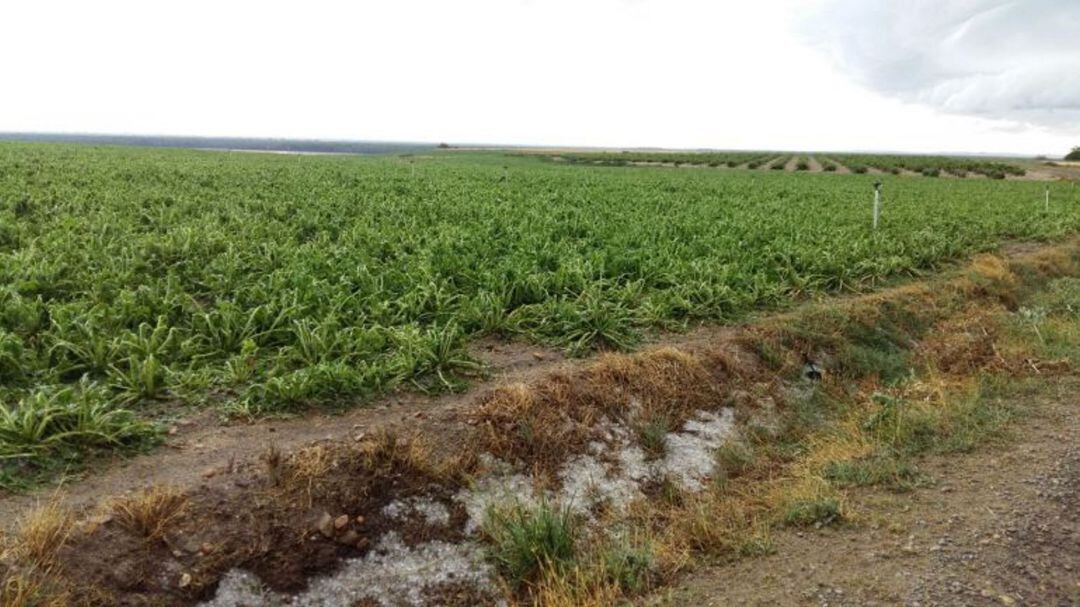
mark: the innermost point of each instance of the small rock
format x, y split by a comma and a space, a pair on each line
206, 548
209, 473
341, 521
1007, 600
360, 520
173, 430
185, 580
538, 355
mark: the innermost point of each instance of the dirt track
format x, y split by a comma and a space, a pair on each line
1000, 526
202, 449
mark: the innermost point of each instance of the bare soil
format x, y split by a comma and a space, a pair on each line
999, 526
841, 169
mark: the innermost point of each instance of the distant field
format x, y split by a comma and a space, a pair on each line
927, 166
266, 283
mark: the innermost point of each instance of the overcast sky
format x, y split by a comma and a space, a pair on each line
910, 75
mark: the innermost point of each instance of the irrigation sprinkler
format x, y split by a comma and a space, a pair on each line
877, 203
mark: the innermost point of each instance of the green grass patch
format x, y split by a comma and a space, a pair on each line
526, 541
818, 512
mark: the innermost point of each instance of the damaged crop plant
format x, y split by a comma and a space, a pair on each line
263, 284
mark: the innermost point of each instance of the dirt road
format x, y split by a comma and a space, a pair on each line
999, 526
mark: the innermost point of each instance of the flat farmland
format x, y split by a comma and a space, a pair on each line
267, 283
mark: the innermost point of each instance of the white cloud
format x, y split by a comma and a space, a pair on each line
999, 59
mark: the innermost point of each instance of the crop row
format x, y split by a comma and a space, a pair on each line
711, 159
930, 166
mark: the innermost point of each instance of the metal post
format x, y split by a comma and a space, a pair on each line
1047, 199
877, 203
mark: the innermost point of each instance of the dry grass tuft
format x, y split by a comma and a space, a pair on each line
30, 589
584, 585
388, 451
39, 534
963, 343
990, 276
304, 468
152, 512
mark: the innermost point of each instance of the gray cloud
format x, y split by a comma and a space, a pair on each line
1006, 59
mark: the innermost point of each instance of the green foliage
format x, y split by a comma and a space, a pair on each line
888, 470
735, 457
805, 512
526, 540
68, 422
653, 436
1074, 154
629, 565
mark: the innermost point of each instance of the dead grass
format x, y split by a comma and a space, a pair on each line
542, 424
29, 555
30, 589
151, 513
39, 534
388, 451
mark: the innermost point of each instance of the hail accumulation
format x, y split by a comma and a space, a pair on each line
393, 574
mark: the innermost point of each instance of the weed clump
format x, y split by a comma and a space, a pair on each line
527, 541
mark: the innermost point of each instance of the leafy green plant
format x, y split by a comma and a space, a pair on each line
68, 421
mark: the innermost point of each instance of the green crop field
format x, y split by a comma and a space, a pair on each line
134, 281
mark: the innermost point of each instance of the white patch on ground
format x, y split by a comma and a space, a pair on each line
495, 491
587, 482
242, 589
431, 512
392, 574
632, 464
690, 456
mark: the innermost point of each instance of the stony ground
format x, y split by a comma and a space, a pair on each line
999, 526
